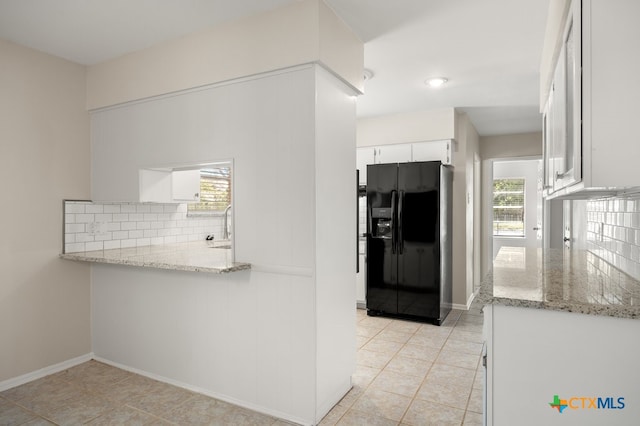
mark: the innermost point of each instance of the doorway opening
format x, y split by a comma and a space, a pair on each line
513, 205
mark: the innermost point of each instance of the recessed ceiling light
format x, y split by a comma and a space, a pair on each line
436, 81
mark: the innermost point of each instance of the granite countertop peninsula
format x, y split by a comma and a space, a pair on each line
195, 256
560, 280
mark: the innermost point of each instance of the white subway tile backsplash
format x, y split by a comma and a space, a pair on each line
104, 217
85, 218
136, 234
74, 227
92, 246
97, 226
74, 247
613, 232
127, 243
107, 236
94, 208
128, 226
74, 207
121, 235
112, 208
110, 245
150, 233
83, 237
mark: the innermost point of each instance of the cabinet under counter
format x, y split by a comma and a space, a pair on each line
196, 256
560, 331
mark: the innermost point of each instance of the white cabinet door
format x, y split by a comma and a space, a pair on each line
547, 135
432, 151
364, 156
568, 94
155, 186
185, 185
558, 109
393, 154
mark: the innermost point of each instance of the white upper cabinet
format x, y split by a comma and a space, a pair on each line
185, 185
364, 156
591, 145
403, 153
432, 151
167, 186
400, 153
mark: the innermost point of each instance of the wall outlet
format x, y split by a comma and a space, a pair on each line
96, 228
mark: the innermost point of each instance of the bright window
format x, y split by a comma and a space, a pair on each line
215, 190
508, 207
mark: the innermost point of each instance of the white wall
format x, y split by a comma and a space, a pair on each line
302, 32
336, 239
44, 129
465, 208
508, 146
276, 339
419, 126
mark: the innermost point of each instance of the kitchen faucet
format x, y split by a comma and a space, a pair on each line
225, 232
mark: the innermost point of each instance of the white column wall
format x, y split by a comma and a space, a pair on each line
336, 239
247, 337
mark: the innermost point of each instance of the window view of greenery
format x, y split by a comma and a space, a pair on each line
215, 190
508, 207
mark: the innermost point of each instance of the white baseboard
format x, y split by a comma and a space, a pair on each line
46, 371
467, 306
324, 409
205, 392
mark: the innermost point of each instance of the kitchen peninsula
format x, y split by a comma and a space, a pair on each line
190, 256
559, 322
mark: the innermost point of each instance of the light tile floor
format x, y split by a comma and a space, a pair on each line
407, 374
414, 374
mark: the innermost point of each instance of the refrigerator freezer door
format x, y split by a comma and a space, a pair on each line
381, 222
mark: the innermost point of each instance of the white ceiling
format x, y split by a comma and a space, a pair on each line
488, 49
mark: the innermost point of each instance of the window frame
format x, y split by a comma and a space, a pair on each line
521, 207
219, 211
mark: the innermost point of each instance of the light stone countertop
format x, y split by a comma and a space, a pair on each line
560, 280
194, 256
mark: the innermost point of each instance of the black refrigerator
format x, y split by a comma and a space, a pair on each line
409, 207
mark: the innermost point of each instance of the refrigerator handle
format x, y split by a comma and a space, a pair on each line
400, 238
394, 238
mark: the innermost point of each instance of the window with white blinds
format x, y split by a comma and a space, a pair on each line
508, 207
215, 190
